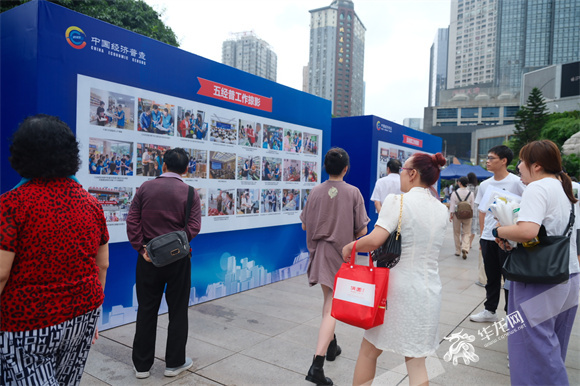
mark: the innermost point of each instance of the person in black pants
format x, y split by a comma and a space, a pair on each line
159, 207
498, 158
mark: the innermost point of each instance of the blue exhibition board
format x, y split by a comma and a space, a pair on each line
59, 62
371, 142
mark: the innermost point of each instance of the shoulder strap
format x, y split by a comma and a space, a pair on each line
189, 205
459, 198
570, 222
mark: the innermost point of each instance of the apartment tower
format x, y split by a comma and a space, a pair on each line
247, 52
336, 61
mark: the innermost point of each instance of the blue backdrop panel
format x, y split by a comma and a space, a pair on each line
360, 136
39, 75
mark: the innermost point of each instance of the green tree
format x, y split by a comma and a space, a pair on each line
561, 126
529, 121
134, 15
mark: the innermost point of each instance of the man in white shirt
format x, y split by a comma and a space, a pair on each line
391, 183
494, 257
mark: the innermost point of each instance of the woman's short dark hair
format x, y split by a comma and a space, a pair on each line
44, 147
335, 160
463, 181
428, 166
176, 160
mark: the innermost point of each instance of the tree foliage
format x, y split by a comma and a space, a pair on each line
134, 15
529, 121
561, 126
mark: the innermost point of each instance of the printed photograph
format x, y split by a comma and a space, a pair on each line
191, 124
249, 134
202, 192
150, 159
115, 201
290, 199
309, 171
293, 141
248, 168
111, 109
223, 131
271, 169
222, 166
248, 201
291, 170
155, 117
304, 195
271, 200
272, 137
110, 157
310, 144
221, 202
197, 167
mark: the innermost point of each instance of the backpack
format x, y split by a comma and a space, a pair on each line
463, 209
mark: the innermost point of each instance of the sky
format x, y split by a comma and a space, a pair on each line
399, 35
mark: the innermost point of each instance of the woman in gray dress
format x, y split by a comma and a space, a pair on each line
333, 216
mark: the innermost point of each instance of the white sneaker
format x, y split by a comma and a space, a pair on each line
142, 374
484, 316
175, 371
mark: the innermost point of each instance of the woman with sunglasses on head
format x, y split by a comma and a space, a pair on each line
537, 351
414, 293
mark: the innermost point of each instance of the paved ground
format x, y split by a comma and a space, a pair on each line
267, 336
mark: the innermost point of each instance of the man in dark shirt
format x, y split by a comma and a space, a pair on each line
158, 208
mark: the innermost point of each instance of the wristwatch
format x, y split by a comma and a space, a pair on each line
494, 232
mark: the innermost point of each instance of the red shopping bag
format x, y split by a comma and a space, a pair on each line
360, 293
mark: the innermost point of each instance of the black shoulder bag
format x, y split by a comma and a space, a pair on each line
544, 263
172, 246
389, 254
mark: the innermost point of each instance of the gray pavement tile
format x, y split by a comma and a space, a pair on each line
573, 358
242, 318
193, 379
242, 370
285, 354
312, 300
219, 331
467, 375
89, 380
273, 308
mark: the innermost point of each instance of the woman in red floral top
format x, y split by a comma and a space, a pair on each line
54, 256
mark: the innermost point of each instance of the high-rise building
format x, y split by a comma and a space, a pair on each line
336, 61
247, 52
492, 44
438, 65
472, 42
535, 34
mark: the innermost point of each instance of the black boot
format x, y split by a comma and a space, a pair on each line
316, 372
333, 350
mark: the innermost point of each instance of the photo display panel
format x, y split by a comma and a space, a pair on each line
249, 171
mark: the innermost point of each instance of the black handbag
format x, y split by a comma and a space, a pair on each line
544, 263
170, 247
389, 254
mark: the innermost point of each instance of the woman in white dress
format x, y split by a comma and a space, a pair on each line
414, 294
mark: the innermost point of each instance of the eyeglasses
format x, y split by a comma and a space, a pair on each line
490, 158
407, 169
